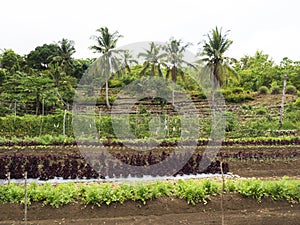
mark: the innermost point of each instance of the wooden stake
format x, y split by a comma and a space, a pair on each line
222, 194
64, 123
8, 177
25, 197
282, 102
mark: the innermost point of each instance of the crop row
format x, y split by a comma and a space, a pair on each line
193, 191
75, 166
260, 155
292, 141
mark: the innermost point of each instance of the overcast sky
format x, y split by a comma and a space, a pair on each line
272, 26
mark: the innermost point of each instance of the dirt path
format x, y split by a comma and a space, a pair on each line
238, 210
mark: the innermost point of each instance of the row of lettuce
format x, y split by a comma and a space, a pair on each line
193, 191
101, 165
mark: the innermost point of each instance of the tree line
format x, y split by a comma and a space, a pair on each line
46, 78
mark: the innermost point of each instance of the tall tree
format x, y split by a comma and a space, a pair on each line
63, 84
291, 68
256, 71
216, 63
175, 54
153, 59
105, 44
64, 55
42, 56
11, 61
126, 60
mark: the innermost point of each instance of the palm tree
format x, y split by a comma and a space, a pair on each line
106, 43
175, 51
214, 59
153, 59
64, 58
126, 59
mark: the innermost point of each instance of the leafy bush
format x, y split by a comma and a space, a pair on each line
263, 90
275, 90
297, 103
261, 111
31, 125
237, 98
247, 106
291, 89
237, 90
115, 83
222, 92
231, 121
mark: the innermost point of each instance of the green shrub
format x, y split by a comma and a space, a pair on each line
115, 83
237, 98
31, 125
275, 90
261, 111
247, 106
291, 89
231, 121
297, 103
127, 79
237, 90
222, 92
263, 90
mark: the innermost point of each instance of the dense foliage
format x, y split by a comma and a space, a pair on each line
37, 87
44, 79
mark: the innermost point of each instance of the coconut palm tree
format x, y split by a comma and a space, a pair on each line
64, 55
175, 54
153, 59
126, 60
106, 43
216, 63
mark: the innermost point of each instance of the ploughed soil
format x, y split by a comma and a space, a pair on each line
237, 211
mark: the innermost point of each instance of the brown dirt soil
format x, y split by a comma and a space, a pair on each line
265, 169
237, 211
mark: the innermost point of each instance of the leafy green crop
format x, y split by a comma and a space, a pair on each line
194, 191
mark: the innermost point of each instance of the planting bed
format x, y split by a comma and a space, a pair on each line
247, 159
269, 161
238, 210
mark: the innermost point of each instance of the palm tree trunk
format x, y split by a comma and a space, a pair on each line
106, 93
106, 81
153, 70
173, 87
282, 103
174, 75
214, 85
213, 101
